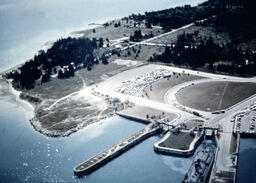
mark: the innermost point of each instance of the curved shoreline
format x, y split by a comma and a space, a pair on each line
37, 126
29, 109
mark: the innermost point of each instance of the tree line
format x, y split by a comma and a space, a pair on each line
222, 58
173, 18
64, 57
235, 17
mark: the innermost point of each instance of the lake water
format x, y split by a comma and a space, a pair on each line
247, 161
28, 156
25, 26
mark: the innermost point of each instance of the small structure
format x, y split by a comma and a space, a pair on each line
209, 133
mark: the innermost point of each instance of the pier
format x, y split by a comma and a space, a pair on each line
97, 161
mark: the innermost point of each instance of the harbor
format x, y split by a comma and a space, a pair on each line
97, 161
166, 145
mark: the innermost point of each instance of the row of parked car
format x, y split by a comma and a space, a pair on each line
237, 119
136, 85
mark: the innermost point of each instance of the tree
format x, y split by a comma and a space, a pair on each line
60, 74
148, 25
46, 77
71, 70
137, 36
101, 42
104, 60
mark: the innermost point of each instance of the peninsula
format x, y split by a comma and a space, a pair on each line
188, 71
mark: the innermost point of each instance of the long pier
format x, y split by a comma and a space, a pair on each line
97, 161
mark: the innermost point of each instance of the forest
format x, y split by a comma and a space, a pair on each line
234, 17
176, 17
207, 54
63, 58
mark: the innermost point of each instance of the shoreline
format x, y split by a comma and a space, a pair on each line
27, 106
46, 43
29, 109
54, 134
36, 120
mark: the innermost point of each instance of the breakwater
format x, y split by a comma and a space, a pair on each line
99, 160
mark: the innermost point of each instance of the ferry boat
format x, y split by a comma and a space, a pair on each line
201, 166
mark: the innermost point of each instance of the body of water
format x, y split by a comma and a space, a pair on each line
247, 161
25, 26
28, 156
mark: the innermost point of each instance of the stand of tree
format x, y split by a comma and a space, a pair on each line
176, 17
137, 36
237, 17
226, 58
64, 57
234, 17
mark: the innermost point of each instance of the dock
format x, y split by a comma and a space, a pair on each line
99, 160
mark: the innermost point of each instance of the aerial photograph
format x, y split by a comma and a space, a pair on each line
117, 91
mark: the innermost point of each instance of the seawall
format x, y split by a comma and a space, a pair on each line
99, 160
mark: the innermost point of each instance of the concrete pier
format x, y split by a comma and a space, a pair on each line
134, 118
97, 161
177, 147
226, 158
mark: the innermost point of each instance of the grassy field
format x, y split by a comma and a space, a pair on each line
160, 87
139, 52
70, 113
57, 88
214, 96
113, 33
204, 32
181, 140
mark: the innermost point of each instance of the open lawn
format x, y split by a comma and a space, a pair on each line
204, 32
181, 140
212, 96
160, 87
113, 33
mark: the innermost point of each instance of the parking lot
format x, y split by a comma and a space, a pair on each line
245, 122
136, 85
